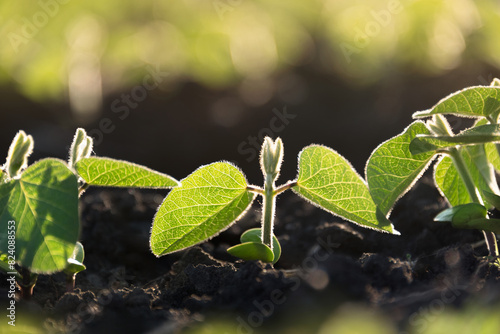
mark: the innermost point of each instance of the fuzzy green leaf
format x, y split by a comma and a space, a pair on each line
43, 202
489, 133
207, 202
493, 155
117, 173
451, 185
479, 101
392, 170
328, 180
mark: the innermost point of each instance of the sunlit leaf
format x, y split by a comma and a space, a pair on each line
207, 202
117, 173
328, 180
451, 185
392, 170
44, 205
476, 101
489, 133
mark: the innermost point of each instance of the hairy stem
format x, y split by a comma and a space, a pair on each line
268, 208
285, 187
458, 161
255, 190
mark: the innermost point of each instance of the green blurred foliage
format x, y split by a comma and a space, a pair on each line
50, 48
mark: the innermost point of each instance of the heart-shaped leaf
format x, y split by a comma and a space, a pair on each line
392, 170
43, 203
328, 180
97, 171
207, 202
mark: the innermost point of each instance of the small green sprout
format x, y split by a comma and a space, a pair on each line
74, 266
215, 196
467, 161
39, 220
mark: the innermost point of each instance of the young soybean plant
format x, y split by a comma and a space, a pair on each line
465, 171
214, 196
39, 221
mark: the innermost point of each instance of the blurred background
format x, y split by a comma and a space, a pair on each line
176, 84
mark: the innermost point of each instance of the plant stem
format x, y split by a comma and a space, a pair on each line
458, 161
27, 284
268, 208
285, 187
70, 282
255, 190
82, 189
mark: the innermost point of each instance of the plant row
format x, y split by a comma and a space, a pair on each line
40, 225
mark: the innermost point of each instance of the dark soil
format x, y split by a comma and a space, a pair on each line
327, 265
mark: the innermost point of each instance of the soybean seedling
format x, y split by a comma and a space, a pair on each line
214, 196
465, 170
39, 220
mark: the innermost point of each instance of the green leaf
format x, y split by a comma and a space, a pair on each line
483, 224
493, 155
489, 133
328, 180
479, 101
117, 173
19, 151
255, 235
250, 251
392, 170
207, 202
81, 147
451, 184
492, 198
469, 216
44, 205
463, 213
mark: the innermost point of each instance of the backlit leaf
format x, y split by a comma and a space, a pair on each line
328, 180
479, 101
392, 170
207, 202
489, 133
116, 173
450, 183
43, 203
